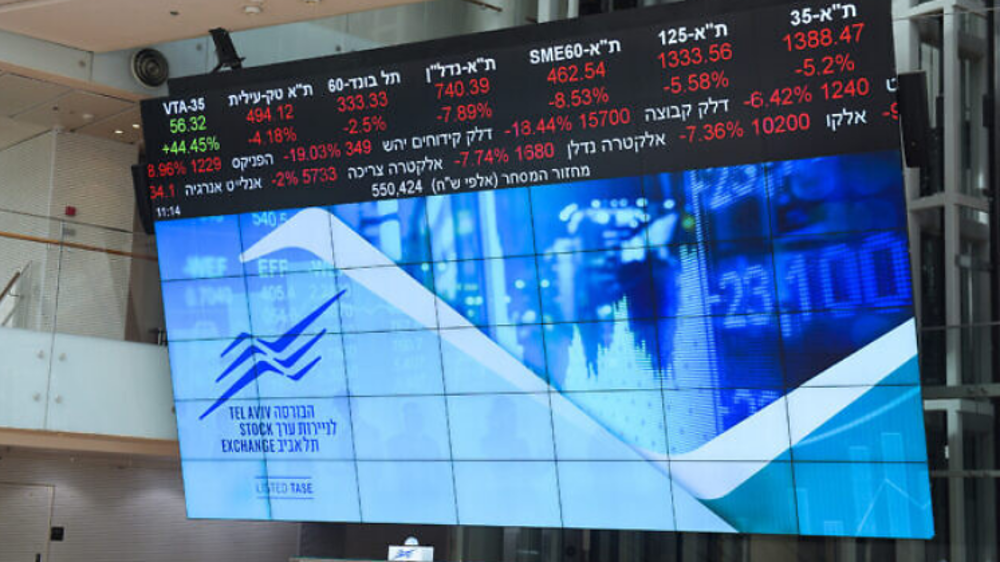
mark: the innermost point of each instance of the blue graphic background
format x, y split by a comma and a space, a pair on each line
592, 354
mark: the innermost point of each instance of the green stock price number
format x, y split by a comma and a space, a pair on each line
190, 124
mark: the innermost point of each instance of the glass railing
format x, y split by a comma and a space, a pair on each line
80, 317
74, 278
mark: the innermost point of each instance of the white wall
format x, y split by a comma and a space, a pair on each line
117, 510
93, 175
26, 175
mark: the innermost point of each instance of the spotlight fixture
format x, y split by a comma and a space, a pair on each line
253, 7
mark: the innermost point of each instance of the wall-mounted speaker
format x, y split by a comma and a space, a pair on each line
150, 67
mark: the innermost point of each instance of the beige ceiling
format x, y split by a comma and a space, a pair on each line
110, 25
30, 107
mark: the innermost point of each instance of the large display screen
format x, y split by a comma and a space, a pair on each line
642, 271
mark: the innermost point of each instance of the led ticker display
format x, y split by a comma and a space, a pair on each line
642, 271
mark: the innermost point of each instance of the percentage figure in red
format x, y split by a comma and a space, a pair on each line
314, 152
277, 135
713, 131
698, 82
285, 178
482, 157
465, 112
780, 97
166, 170
827, 66
581, 97
366, 125
545, 125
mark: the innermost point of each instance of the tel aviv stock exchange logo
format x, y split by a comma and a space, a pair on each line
277, 356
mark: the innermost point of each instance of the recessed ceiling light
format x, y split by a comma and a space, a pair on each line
119, 132
135, 125
254, 7
87, 116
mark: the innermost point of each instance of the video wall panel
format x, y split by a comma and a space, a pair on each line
713, 335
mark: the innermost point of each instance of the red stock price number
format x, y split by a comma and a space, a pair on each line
823, 37
694, 56
456, 89
283, 112
573, 73
362, 102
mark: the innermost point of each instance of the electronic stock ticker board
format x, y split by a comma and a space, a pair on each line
646, 270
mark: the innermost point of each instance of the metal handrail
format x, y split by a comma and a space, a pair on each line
10, 284
75, 245
8, 291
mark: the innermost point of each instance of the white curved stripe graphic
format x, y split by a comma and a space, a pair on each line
756, 437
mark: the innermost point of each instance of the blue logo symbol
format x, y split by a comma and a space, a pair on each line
273, 360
